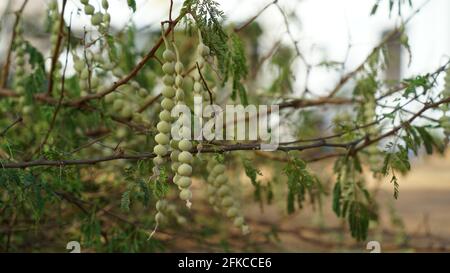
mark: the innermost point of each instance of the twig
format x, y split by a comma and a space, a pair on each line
204, 83
237, 29
18, 120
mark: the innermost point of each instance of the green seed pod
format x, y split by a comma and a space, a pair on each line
105, 4
168, 92
174, 155
168, 80
223, 190
179, 95
184, 182
186, 157
160, 150
179, 67
106, 18
161, 205
168, 55
20, 71
227, 202
167, 104
185, 194
20, 61
162, 139
239, 221
137, 117
220, 180
89, 9
163, 127
118, 104
97, 18
198, 87
126, 112
174, 145
165, 116
185, 170
179, 81
218, 169
53, 5
232, 212
160, 218
185, 145
203, 50
168, 68
142, 92
175, 166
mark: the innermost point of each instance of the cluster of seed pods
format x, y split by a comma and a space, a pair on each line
166, 210
20, 66
220, 195
98, 19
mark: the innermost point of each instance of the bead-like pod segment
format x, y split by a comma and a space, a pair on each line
169, 55
227, 201
165, 116
184, 182
160, 150
168, 68
167, 104
185, 170
168, 92
186, 157
185, 194
163, 127
162, 139
185, 145
168, 80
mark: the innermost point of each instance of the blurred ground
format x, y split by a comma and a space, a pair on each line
420, 221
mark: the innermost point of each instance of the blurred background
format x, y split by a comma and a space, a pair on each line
341, 31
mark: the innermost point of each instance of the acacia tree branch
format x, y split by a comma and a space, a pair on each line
4, 79
351, 147
56, 50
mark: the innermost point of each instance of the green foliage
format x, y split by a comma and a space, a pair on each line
208, 18
236, 68
132, 4
301, 184
392, 4
351, 200
229, 49
34, 81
